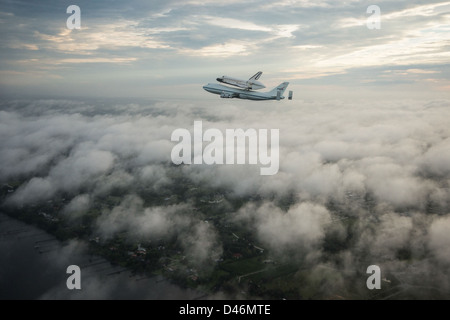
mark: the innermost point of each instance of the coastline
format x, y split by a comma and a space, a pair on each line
34, 264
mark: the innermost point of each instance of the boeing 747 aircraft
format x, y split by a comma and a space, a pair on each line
228, 92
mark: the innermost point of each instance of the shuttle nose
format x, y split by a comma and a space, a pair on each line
219, 79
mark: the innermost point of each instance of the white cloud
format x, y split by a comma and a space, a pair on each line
439, 239
427, 10
78, 206
380, 165
230, 23
225, 50
300, 228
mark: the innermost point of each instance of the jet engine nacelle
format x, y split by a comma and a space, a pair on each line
226, 95
243, 96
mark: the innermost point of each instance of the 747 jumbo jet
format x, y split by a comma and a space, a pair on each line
229, 92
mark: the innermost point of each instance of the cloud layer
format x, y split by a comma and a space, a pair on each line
371, 178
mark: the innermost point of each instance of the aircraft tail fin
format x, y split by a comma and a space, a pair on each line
256, 76
281, 88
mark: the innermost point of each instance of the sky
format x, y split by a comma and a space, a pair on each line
169, 49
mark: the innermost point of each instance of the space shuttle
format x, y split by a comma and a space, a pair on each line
250, 84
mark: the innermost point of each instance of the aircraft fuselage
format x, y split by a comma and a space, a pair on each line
228, 92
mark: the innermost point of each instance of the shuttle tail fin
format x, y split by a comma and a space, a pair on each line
256, 76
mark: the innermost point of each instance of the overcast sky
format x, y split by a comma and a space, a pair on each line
164, 49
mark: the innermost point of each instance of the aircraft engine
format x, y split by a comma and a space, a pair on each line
226, 95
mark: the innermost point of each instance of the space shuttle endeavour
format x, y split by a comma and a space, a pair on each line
250, 84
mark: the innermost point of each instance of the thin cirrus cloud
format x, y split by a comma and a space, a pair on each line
427, 10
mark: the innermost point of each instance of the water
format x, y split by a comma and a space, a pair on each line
33, 265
